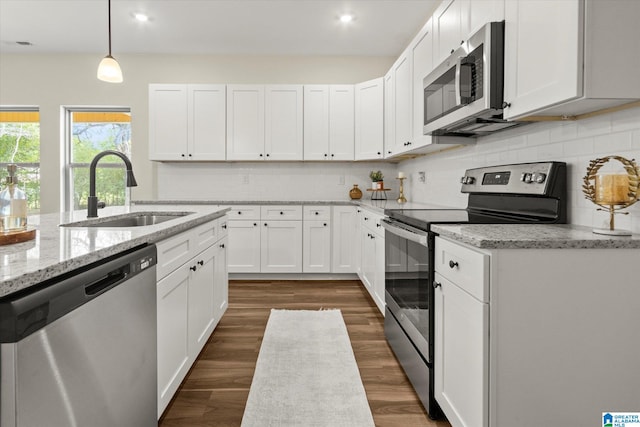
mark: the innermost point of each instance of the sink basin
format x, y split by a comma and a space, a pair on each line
134, 219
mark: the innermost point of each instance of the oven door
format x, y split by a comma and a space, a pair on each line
408, 283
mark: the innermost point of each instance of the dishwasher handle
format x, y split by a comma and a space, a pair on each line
23, 313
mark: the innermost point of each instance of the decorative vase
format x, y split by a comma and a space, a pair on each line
355, 193
378, 185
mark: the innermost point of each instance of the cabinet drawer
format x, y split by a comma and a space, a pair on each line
284, 212
244, 212
463, 266
316, 212
173, 252
205, 235
372, 221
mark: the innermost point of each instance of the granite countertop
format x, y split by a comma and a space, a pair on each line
57, 250
534, 236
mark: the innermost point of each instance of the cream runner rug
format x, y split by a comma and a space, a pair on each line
306, 374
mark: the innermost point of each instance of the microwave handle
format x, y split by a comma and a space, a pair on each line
463, 61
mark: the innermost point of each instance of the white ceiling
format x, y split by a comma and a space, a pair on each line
268, 27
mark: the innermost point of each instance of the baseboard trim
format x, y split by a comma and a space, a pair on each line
293, 276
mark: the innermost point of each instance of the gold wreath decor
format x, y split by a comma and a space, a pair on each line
633, 171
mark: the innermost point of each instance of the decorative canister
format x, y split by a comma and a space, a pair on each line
355, 193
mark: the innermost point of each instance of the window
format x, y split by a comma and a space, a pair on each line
20, 144
91, 131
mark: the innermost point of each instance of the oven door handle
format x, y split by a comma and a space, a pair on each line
406, 232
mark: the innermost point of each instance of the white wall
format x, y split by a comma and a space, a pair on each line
573, 142
53, 81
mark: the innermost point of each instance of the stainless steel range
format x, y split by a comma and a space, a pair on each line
517, 193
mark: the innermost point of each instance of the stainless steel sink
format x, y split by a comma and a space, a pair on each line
134, 219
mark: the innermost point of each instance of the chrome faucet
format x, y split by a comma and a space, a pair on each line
92, 202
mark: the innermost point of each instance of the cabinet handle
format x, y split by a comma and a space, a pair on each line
192, 268
316, 213
281, 213
239, 212
378, 224
260, 154
222, 245
366, 219
265, 224
462, 42
267, 154
182, 155
388, 152
368, 234
201, 262
372, 236
332, 155
254, 224
224, 226
325, 154
325, 224
453, 264
506, 104
190, 155
379, 153
452, 50
436, 285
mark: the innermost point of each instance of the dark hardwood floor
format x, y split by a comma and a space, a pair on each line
215, 391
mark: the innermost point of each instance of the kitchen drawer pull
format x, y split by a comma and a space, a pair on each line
192, 268
317, 213
325, 224
453, 264
281, 213
222, 245
265, 224
224, 226
239, 212
254, 224
436, 285
201, 262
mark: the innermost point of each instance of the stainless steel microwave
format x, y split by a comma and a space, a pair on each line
463, 96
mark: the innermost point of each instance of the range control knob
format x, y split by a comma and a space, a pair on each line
526, 177
467, 180
539, 177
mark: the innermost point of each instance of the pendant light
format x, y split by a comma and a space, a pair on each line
109, 69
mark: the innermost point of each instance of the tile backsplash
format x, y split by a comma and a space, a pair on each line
574, 142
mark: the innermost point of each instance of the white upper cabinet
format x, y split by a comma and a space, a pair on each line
245, 122
570, 57
369, 119
422, 64
283, 122
402, 84
328, 122
264, 122
186, 122
389, 119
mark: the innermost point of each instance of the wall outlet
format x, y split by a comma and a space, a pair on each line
422, 177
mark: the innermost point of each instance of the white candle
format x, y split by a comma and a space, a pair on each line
401, 175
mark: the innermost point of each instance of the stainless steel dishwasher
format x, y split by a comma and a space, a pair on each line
80, 349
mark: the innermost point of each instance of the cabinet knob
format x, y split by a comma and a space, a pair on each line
192, 268
366, 219
453, 264
254, 224
389, 152
281, 213
436, 285
372, 236
222, 245
325, 224
224, 226
379, 153
267, 154
452, 50
201, 262
260, 154
265, 224
378, 225
239, 212
332, 155
190, 155
182, 155
317, 213
506, 104
462, 42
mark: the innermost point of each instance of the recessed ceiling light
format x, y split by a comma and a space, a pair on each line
346, 18
141, 17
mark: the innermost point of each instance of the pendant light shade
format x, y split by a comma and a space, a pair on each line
109, 69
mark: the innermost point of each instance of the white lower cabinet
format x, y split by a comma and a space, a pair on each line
244, 250
316, 250
344, 245
191, 299
281, 247
461, 355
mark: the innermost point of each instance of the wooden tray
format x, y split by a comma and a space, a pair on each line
17, 236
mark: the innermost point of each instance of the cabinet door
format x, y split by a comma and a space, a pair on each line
344, 242
173, 326
207, 122
378, 286
316, 122
402, 79
475, 14
448, 33
461, 359
316, 246
369, 119
359, 230
283, 122
341, 122
201, 300
245, 122
543, 54
168, 122
281, 247
389, 116
220, 280
422, 65
244, 246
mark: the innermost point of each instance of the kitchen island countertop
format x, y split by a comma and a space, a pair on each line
57, 250
534, 236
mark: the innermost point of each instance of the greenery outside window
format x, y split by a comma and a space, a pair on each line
20, 144
91, 131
